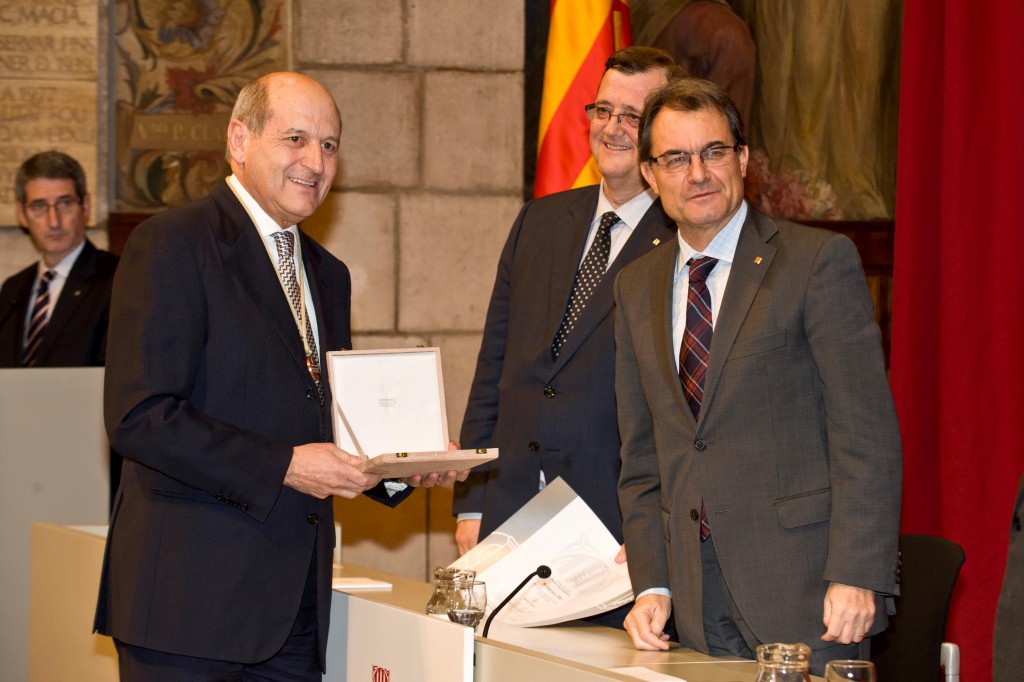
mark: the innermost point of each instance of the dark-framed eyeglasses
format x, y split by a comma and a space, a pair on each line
40, 208
712, 157
602, 113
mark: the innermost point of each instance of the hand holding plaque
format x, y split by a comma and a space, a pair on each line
388, 408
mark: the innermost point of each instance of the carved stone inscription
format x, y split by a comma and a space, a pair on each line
40, 115
54, 39
48, 99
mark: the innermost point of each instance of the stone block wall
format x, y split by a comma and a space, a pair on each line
431, 97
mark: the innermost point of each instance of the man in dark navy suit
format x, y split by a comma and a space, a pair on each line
218, 561
54, 313
544, 385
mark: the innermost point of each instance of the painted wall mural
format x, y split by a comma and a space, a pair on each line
178, 69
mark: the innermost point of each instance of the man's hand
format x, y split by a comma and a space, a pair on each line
467, 534
849, 613
322, 469
437, 478
646, 622
620, 558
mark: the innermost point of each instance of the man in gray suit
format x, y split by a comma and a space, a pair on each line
761, 464
549, 404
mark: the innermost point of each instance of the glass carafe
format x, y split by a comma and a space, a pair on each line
443, 578
783, 663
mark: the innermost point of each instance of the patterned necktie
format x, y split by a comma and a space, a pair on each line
37, 323
693, 354
286, 266
587, 278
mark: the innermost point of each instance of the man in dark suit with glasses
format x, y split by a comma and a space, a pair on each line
54, 313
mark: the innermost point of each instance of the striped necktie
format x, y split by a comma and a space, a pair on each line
37, 322
286, 266
693, 354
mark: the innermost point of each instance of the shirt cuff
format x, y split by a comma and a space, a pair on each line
394, 487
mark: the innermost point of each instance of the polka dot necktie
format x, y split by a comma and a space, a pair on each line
587, 278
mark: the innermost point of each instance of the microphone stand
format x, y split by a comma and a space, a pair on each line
542, 572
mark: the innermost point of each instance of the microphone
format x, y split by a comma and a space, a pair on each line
542, 572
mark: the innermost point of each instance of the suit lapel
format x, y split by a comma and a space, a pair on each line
75, 290
566, 246
750, 264
245, 256
19, 295
322, 302
655, 225
662, 279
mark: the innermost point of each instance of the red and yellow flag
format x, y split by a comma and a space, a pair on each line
583, 34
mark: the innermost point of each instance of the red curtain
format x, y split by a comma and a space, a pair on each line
958, 308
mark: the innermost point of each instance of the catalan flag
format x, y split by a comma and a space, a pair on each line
583, 34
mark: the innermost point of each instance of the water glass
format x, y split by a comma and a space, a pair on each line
467, 601
837, 671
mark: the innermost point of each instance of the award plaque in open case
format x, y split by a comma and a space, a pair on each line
388, 408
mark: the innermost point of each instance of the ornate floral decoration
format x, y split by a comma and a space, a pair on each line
180, 66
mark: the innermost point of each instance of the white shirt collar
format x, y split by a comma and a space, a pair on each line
722, 247
63, 268
264, 223
631, 212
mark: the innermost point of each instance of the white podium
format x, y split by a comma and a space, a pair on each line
375, 635
53, 467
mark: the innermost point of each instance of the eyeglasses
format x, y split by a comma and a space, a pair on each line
64, 205
603, 114
678, 162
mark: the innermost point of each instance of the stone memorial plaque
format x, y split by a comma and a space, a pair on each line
49, 39
48, 71
37, 115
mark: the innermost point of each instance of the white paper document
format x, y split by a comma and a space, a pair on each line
557, 529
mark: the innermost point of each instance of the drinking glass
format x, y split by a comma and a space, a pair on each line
838, 671
467, 600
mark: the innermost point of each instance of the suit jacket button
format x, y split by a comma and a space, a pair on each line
549, 392
312, 519
695, 515
700, 444
219, 497
310, 394
243, 506
533, 446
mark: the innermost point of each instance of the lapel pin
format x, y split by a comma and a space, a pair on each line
657, 240
757, 261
